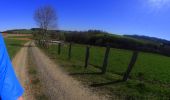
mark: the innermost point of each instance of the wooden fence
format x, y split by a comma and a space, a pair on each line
105, 59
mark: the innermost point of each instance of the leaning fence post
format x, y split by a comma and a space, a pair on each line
87, 56
130, 66
59, 48
69, 52
105, 62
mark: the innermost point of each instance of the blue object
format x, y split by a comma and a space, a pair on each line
10, 88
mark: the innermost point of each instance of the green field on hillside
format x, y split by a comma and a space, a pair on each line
154, 67
21, 36
13, 46
149, 77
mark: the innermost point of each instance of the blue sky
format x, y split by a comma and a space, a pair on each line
143, 17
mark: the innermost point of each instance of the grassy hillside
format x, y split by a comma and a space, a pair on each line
100, 38
19, 31
13, 46
149, 78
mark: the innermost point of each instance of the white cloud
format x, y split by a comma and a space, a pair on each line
158, 4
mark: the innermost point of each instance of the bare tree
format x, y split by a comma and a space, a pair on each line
46, 18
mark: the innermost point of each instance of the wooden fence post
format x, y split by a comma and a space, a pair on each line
105, 62
69, 52
87, 56
59, 48
130, 66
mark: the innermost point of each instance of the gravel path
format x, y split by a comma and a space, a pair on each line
56, 83
20, 66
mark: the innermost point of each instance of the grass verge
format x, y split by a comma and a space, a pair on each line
109, 83
13, 46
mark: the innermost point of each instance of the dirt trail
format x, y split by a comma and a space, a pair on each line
56, 83
20, 63
59, 85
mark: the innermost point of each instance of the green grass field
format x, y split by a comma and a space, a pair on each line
13, 46
154, 68
21, 37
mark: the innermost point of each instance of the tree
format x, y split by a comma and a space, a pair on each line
46, 18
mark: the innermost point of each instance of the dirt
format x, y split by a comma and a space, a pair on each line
20, 64
57, 85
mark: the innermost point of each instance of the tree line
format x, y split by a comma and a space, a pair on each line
101, 38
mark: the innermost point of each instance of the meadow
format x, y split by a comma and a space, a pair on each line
149, 77
13, 46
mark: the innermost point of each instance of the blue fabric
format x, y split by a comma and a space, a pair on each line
10, 88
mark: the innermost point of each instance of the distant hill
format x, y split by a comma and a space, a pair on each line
19, 31
101, 38
151, 39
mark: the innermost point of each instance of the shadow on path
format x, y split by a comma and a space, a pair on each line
95, 73
108, 83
